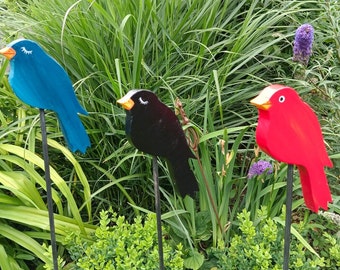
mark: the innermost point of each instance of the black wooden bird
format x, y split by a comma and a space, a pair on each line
153, 128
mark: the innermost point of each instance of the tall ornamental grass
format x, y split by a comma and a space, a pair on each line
215, 53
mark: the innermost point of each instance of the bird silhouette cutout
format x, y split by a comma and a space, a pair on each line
153, 128
288, 130
38, 80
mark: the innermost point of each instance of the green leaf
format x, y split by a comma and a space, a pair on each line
55, 177
39, 218
221, 132
23, 240
23, 188
298, 236
4, 260
34, 176
80, 173
195, 261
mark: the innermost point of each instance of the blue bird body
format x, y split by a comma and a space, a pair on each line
39, 80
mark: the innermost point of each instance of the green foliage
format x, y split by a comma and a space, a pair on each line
270, 190
204, 222
120, 245
215, 56
322, 231
26, 209
49, 265
333, 250
199, 224
259, 245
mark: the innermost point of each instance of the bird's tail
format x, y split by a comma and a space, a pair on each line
74, 131
184, 179
315, 188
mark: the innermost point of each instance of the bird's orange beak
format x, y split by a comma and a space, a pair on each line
9, 53
126, 102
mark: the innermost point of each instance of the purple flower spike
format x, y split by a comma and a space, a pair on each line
303, 43
259, 168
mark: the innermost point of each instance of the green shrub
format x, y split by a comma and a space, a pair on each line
120, 245
259, 245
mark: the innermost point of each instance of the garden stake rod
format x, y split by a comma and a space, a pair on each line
289, 200
48, 189
158, 212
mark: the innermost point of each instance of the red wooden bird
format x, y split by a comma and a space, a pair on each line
288, 130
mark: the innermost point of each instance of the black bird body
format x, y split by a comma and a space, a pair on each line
153, 128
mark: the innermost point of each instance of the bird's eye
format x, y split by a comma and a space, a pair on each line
25, 51
282, 99
143, 102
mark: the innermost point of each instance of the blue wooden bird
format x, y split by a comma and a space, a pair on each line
38, 80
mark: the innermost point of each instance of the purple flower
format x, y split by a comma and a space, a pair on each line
303, 43
259, 168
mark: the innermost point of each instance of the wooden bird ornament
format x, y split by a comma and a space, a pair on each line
288, 130
152, 127
38, 80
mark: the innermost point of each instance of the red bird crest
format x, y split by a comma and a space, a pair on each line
289, 131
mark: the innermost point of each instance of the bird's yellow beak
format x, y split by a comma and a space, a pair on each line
126, 102
261, 103
9, 53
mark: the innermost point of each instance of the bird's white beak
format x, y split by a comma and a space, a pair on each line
8, 52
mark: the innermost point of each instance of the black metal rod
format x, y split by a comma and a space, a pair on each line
288, 222
48, 189
158, 212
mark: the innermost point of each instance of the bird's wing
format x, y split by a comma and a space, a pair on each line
299, 140
43, 83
